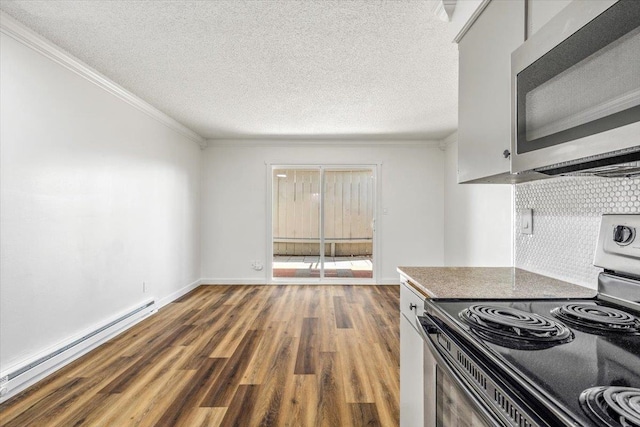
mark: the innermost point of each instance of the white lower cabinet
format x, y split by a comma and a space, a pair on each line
411, 360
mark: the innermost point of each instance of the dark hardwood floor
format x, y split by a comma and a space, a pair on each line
236, 356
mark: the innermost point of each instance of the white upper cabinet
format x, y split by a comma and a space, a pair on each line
541, 11
484, 103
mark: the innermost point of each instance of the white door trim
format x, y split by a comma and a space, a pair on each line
269, 168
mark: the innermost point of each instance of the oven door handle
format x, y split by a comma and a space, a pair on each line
465, 386
423, 322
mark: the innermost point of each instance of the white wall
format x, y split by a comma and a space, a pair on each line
234, 206
96, 197
477, 219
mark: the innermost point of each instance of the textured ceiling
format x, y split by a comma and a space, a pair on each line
234, 69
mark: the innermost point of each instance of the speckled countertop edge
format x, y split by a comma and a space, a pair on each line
489, 283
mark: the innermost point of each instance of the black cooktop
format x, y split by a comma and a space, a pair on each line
563, 368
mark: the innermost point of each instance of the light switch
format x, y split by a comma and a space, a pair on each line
526, 221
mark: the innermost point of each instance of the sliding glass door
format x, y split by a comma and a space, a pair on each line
348, 222
296, 223
323, 222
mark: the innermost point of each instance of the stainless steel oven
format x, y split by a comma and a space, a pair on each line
576, 91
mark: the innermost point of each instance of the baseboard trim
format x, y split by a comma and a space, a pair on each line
389, 281
233, 282
10, 388
293, 281
99, 334
177, 294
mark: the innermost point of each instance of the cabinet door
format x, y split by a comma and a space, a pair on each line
484, 97
411, 375
541, 11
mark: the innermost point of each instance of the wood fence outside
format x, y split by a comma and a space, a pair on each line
348, 206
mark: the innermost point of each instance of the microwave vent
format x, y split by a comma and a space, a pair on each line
629, 170
622, 164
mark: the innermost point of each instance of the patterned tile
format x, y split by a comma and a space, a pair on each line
566, 221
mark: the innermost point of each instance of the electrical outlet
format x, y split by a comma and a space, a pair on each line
144, 288
526, 221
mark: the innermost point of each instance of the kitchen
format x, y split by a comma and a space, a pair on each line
173, 233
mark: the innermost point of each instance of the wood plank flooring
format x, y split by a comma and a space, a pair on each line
236, 356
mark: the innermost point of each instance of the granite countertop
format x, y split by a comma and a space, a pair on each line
489, 282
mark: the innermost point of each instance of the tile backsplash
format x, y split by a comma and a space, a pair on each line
566, 221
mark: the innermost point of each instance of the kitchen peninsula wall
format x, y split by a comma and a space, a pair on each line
566, 221
477, 218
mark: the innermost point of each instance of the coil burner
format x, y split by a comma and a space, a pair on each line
513, 328
612, 406
598, 318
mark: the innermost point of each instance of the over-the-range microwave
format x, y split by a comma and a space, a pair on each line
576, 92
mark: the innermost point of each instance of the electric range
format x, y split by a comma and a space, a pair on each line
543, 362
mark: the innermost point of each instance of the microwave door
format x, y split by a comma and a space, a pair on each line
579, 97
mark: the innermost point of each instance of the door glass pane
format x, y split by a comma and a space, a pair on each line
348, 222
296, 223
453, 407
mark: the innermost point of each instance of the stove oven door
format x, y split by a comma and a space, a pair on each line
449, 400
461, 391
455, 404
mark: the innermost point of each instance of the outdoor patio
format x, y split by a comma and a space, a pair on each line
309, 266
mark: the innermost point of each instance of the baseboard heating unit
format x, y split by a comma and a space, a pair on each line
17, 378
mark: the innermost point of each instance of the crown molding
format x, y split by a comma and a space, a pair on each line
29, 38
311, 142
445, 143
443, 9
471, 20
